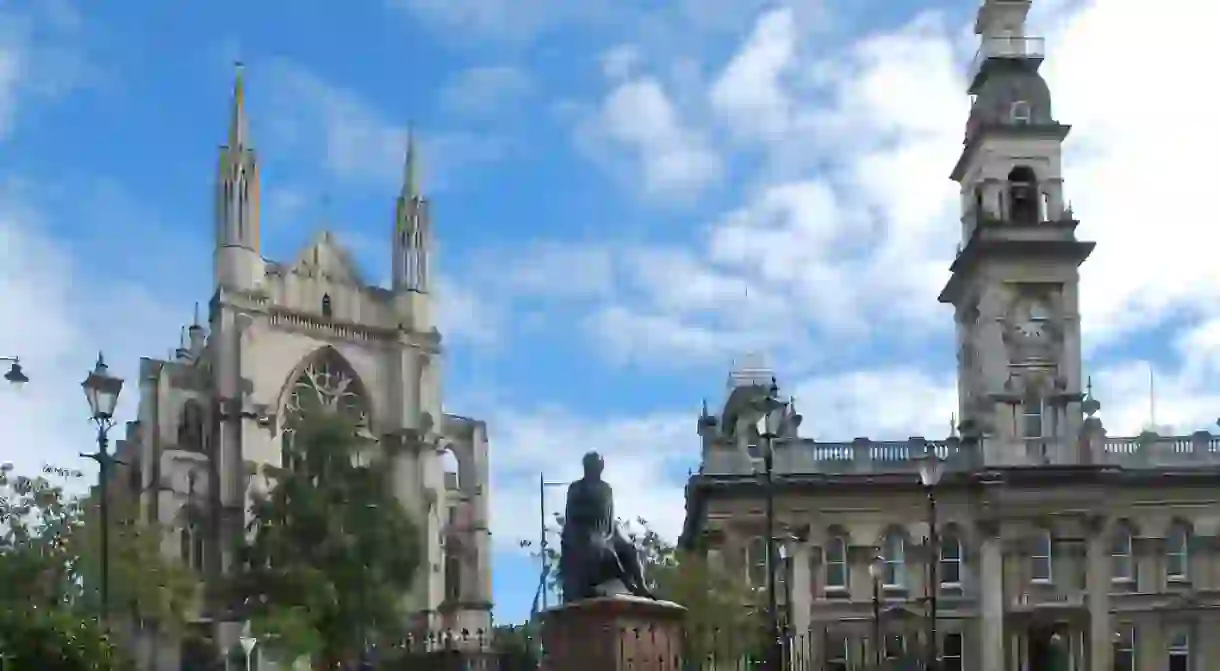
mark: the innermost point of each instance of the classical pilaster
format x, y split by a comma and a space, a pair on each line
991, 595
1101, 632
801, 588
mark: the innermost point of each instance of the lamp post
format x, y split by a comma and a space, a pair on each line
772, 423
875, 568
15, 376
102, 392
930, 468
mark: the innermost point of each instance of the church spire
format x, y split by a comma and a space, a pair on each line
238, 263
412, 228
238, 126
410, 178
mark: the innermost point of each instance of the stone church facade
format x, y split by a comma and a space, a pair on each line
282, 339
1056, 540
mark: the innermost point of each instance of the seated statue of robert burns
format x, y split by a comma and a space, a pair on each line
594, 552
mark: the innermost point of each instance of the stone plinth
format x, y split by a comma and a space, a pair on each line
618, 633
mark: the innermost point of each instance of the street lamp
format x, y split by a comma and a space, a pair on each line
930, 469
102, 392
771, 425
876, 568
15, 376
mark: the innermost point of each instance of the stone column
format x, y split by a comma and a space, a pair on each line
991, 595
1101, 643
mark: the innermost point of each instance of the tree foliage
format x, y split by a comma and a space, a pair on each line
724, 616
49, 570
329, 552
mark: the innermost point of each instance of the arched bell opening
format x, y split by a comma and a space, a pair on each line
1024, 201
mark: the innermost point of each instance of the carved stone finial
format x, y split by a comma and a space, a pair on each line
1091, 405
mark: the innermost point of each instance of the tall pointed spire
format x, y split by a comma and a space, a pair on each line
410, 180
238, 127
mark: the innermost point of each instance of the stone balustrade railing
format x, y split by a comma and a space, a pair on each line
865, 456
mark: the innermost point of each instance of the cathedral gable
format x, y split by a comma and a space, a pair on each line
326, 258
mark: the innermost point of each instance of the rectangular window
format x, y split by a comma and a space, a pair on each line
1040, 558
836, 565
1121, 564
1032, 426
1179, 652
836, 654
1124, 649
895, 646
1177, 564
952, 652
949, 570
756, 558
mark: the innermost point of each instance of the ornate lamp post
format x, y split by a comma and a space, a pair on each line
15, 376
772, 423
930, 469
875, 570
102, 392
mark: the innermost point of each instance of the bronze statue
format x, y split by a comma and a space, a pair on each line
594, 553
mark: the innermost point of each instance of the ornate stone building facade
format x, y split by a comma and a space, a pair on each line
1055, 539
284, 339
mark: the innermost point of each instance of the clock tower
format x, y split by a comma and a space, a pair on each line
1015, 280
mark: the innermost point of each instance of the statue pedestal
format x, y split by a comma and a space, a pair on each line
613, 633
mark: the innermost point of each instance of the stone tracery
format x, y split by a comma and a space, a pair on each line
325, 385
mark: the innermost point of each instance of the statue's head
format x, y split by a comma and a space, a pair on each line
593, 465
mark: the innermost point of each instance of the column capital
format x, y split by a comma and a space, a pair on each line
1095, 523
988, 527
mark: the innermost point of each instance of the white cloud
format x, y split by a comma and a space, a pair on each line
487, 91
749, 92
59, 318
356, 142
674, 160
641, 454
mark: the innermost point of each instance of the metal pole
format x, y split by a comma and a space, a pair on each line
103, 475
933, 586
772, 604
542, 536
877, 642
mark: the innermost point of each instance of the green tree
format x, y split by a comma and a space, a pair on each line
144, 583
48, 560
330, 551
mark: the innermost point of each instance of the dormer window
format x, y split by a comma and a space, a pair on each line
1020, 113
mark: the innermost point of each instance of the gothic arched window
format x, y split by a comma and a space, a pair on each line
327, 309
190, 427
326, 385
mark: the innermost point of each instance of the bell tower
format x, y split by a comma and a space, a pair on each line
1015, 280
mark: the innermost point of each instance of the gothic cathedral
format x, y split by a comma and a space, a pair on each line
283, 337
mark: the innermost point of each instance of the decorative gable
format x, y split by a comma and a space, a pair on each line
326, 258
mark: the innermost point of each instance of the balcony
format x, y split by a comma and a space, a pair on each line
1032, 49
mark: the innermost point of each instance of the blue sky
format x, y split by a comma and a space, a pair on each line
626, 197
